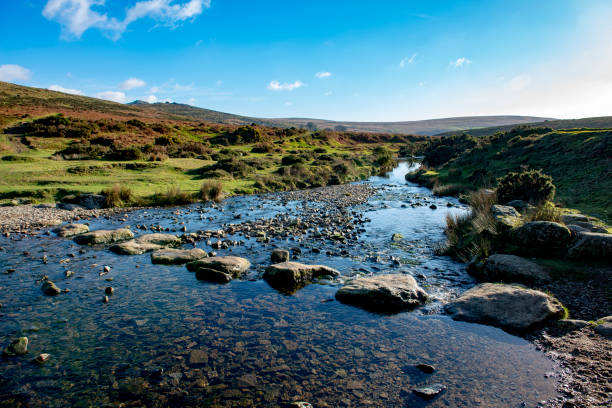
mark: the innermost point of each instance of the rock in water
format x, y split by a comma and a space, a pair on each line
221, 269
426, 368
146, 243
42, 358
383, 293
49, 288
290, 276
511, 307
592, 246
104, 236
279, 255
17, 347
511, 269
541, 238
429, 391
177, 256
70, 230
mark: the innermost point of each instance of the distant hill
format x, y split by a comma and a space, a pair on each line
18, 99
602, 122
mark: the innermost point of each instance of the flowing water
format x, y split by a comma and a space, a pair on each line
167, 339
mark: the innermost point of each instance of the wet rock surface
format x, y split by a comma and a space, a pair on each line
383, 293
172, 256
70, 230
291, 276
104, 237
146, 243
221, 269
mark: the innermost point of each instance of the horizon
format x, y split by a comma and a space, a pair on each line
361, 63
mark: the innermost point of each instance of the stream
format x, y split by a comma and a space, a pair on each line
167, 339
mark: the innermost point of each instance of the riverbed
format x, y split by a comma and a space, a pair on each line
167, 339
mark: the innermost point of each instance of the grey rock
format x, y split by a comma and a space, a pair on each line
221, 269
429, 391
104, 236
572, 218
589, 226
70, 230
542, 238
91, 201
146, 243
49, 288
519, 205
171, 256
279, 255
511, 269
383, 293
505, 217
290, 276
592, 246
605, 327
511, 307
17, 347
573, 324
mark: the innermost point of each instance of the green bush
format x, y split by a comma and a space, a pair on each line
532, 186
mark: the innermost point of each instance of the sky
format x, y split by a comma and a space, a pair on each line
385, 60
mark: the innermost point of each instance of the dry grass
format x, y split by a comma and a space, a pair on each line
545, 212
211, 191
117, 196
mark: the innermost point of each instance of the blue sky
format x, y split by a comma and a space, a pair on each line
343, 60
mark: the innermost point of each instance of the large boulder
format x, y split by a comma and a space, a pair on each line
146, 243
171, 256
542, 238
290, 276
383, 293
70, 230
505, 216
221, 269
104, 236
592, 246
511, 307
511, 269
589, 226
91, 201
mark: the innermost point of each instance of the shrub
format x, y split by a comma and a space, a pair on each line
117, 196
129, 153
211, 190
262, 148
292, 159
173, 196
532, 186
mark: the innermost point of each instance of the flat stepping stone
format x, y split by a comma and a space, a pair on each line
511, 307
146, 243
104, 236
290, 276
70, 230
220, 269
383, 293
511, 269
429, 391
170, 256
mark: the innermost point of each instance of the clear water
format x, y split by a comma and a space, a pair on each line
167, 339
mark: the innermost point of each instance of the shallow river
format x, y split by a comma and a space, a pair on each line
167, 339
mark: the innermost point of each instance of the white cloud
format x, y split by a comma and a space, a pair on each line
112, 96
460, 62
59, 88
191, 101
132, 83
77, 16
151, 99
518, 83
277, 86
10, 73
322, 75
407, 60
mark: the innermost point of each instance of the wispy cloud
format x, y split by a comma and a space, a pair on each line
10, 73
132, 83
59, 88
407, 60
151, 99
114, 96
460, 62
77, 16
277, 86
323, 74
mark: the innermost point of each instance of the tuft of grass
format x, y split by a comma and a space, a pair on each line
173, 196
453, 190
211, 191
545, 212
117, 196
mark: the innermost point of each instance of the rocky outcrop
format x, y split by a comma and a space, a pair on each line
146, 243
70, 230
542, 238
279, 255
510, 307
510, 269
170, 256
101, 237
291, 276
592, 246
383, 293
506, 217
221, 269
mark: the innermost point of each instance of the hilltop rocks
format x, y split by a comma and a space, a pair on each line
383, 293
279, 255
104, 236
17, 347
290, 276
506, 217
221, 269
172, 256
70, 230
146, 243
510, 307
592, 246
541, 237
510, 269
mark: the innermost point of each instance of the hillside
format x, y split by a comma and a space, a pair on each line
19, 100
